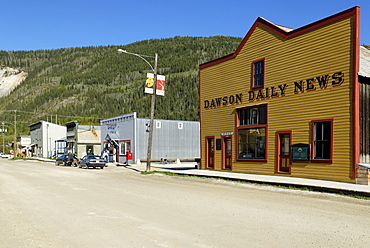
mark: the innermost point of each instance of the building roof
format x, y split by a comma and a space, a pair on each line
125, 117
88, 127
364, 62
286, 29
89, 136
40, 122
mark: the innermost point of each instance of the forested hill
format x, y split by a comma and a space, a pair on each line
90, 83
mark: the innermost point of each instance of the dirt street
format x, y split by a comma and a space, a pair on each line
43, 205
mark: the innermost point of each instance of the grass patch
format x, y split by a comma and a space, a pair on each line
17, 158
167, 173
32, 159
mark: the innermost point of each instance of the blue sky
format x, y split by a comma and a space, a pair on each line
53, 24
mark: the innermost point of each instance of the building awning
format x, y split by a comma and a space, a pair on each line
364, 62
112, 138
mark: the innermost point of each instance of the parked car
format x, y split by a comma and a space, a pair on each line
65, 160
4, 155
92, 161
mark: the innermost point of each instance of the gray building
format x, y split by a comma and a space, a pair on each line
172, 139
45, 137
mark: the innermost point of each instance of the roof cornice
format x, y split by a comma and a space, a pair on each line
277, 29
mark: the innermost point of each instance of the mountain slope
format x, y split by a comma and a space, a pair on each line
90, 83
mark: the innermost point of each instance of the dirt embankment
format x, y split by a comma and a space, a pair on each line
9, 79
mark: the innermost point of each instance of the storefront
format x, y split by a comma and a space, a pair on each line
288, 101
126, 139
82, 139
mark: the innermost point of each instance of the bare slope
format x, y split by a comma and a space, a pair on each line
9, 79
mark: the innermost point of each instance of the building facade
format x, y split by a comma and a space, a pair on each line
23, 146
45, 137
82, 139
288, 102
172, 139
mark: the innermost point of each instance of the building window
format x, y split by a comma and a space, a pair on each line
125, 147
252, 129
252, 143
252, 116
258, 79
322, 140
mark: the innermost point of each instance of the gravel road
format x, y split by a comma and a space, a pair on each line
43, 205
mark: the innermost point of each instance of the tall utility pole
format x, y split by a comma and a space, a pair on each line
3, 138
151, 124
150, 139
15, 134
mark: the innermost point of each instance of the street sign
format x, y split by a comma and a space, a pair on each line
161, 83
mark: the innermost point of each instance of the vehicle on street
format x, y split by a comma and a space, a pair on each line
65, 160
92, 161
4, 155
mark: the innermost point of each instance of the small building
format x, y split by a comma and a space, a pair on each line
82, 139
289, 102
44, 138
172, 139
23, 144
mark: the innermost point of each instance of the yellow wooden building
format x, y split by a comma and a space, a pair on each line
288, 102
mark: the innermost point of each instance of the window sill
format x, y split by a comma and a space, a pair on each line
258, 87
283, 172
252, 160
322, 161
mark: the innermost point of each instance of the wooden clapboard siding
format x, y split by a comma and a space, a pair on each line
365, 120
321, 50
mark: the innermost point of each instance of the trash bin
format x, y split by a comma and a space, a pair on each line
363, 173
197, 160
129, 155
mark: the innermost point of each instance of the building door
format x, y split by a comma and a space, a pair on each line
226, 153
89, 150
283, 152
210, 152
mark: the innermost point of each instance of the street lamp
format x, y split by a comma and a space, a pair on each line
150, 138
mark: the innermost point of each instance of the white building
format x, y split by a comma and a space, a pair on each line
45, 137
23, 145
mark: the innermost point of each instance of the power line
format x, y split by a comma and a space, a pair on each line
64, 116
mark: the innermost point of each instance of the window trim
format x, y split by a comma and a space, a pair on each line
239, 127
327, 161
120, 142
255, 87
